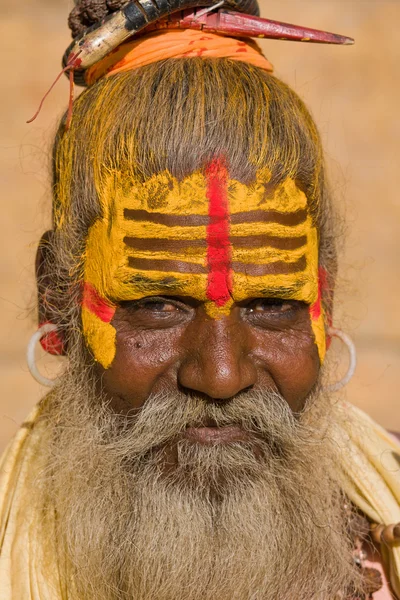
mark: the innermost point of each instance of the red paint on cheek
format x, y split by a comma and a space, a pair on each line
219, 282
315, 309
93, 302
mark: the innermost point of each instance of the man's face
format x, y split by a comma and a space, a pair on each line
206, 286
201, 306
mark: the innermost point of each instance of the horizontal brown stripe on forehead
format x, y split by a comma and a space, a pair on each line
177, 266
273, 216
251, 241
252, 216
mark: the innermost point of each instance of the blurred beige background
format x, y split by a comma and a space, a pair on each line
353, 93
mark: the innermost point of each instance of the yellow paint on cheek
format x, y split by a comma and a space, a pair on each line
318, 327
103, 254
100, 337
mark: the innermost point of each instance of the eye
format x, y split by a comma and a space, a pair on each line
278, 305
155, 312
274, 313
158, 305
155, 304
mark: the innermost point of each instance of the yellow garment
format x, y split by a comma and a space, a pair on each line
370, 458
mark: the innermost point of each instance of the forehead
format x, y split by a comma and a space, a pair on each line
208, 236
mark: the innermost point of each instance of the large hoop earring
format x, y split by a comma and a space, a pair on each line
30, 354
348, 342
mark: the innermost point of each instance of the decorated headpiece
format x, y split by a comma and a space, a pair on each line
237, 18
101, 29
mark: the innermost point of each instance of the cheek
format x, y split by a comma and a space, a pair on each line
292, 360
299, 369
146, 362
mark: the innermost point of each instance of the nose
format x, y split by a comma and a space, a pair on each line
217, 362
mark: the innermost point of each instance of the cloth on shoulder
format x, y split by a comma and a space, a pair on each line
370, 460
23, 576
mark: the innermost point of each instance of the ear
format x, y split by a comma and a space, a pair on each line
53, 342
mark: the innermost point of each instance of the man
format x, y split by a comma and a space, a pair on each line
192, 449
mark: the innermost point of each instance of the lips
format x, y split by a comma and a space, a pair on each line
216, 435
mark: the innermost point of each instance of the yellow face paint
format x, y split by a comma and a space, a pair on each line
207, 237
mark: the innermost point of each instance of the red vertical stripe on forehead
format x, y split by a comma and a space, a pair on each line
219, 283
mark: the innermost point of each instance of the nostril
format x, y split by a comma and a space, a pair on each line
217, 380
212, 399
220, 399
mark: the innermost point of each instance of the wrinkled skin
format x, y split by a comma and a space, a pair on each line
172, 343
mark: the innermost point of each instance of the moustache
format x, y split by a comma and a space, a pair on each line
164, 418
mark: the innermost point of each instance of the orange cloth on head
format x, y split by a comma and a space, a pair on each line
176, 43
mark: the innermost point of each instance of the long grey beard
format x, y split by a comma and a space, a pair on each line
252, 520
